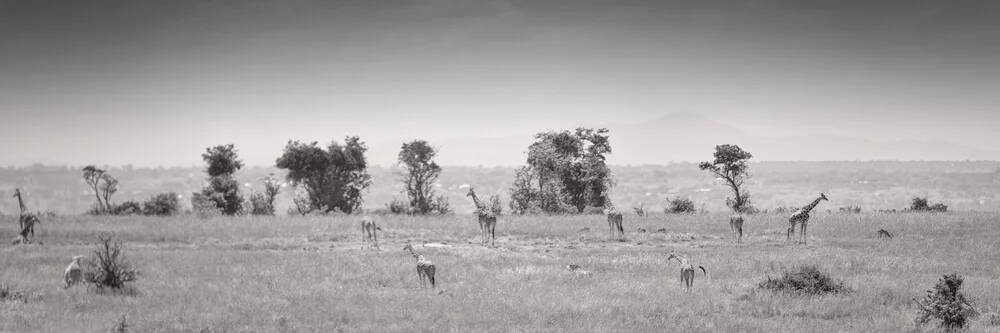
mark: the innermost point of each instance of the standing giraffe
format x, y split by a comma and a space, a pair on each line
801, 217
736, 223
27, 219
615, 219
425, 268
687, 270
487, 221
368, 232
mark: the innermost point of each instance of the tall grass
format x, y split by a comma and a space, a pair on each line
267, 274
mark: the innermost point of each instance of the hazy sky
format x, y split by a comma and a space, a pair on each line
155, 82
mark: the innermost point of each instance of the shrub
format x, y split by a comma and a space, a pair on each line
921, 205
260, 205
496, 207
398, 207
679, 205
851, 209
111, 269
127, 208
204, 207
806, 280
12, 295
441, 206
162, 204
946, 303
640, 209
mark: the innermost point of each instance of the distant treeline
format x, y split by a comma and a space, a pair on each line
962, 185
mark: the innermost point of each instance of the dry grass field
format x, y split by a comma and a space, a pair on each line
308, 274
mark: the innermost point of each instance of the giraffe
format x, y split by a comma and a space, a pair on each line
425, 268
736, 224
487, 221
614, 221
687, 270
27, 219
368, 232
801, 217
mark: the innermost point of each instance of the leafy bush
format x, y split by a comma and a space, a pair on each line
946, 303
203, 207
640, 209
679, 205
921, 205
806, 280
111, 269
851, 209
524, 194
441, 206
496, 207
398, 207
162, 204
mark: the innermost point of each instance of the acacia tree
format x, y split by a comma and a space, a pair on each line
418, 175
570, 168
222, 163
103, 184
333, 179
730, 165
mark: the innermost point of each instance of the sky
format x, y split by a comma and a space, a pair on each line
142, 82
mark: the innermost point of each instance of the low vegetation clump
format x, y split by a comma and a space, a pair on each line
679, 205
111, 270
640, 209
805, 280
12, 295
946, 303
921, 205
163, 204
854, 209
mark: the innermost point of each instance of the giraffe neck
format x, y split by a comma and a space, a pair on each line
20, 202
812, 205
475, 199
416, 255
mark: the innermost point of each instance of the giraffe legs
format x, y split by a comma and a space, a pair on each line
803, 232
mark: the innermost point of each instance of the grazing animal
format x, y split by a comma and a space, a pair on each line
487, 220
641, 230
577, 269
425, 268
736, 224
73, 272
662, 230
687, 270
615, 219
368, 232
801, 217
27, 220
884, 233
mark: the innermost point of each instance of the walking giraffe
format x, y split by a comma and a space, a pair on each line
369, 232
736, 224
615, 219
27, 220
425, 268
687, 270
801, 217
487, 221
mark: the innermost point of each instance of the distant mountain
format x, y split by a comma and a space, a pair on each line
690, 137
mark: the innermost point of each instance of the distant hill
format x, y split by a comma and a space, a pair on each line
690, 137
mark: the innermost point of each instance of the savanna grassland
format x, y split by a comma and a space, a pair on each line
306, 274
